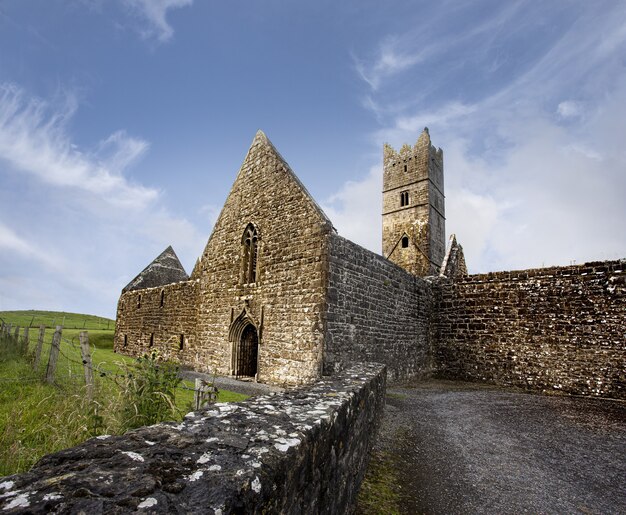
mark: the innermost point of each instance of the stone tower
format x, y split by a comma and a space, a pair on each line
414, 218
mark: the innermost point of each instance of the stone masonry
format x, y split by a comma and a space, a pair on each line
279, 297
301, 451
552, 329
413, 206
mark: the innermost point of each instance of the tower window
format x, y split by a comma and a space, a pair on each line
250, 254
152, 340
181, 345
404, 198
139, 301
405, 242
405, 168
162, 297
125, 340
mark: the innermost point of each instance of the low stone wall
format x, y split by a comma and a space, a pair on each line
376, 312
560, 328
302, 451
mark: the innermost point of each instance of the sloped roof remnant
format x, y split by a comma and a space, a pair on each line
165, 269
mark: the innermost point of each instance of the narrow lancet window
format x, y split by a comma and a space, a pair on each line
405, 242
181, 344
404, 198
250, 254
162, 297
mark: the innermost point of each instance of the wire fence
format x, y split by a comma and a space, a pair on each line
67, 362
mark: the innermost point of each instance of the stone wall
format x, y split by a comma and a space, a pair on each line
376, 312
303, 451
548, 329
285, 302
161, 318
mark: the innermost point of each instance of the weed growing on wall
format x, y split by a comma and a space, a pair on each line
148, 393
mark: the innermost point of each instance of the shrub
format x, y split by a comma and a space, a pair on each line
148, 392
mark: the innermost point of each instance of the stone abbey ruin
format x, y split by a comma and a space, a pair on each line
279, 297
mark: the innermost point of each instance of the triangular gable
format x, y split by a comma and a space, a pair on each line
165, 269
263, 148
261, 139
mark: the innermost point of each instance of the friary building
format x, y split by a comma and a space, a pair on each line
279, 297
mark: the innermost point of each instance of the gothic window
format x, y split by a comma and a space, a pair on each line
405, 241
404, 198
250, 254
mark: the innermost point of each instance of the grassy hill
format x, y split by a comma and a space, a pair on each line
35, 318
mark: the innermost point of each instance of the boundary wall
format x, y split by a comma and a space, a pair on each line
301, 451
560, 328
375, 312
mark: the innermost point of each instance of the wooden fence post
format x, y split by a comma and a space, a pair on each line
204, 393
25, 342
16, 339
84, 351
54, 354
42, 332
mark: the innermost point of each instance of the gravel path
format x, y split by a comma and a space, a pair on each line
450, 447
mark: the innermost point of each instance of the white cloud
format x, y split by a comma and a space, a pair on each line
79, 242
12, 242
569, 109
523, 189
355, 210
387, 63
154, 14
34, 140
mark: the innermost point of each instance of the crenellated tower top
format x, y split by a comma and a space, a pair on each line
413, 206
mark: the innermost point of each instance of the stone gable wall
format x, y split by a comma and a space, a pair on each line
376, 312
137, 321
559, 329
287, 300
302, 451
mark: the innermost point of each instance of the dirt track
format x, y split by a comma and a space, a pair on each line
449, 447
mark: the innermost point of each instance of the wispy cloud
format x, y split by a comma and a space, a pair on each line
533, 153
34, 140
154, 15
67, 244
389, 61
11, 243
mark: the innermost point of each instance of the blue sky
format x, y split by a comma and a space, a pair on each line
123, 124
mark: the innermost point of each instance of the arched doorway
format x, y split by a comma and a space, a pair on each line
247, 353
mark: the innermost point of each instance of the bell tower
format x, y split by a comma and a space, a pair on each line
414, 220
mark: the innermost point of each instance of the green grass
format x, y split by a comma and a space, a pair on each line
379, 491
37, 418
35, 318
